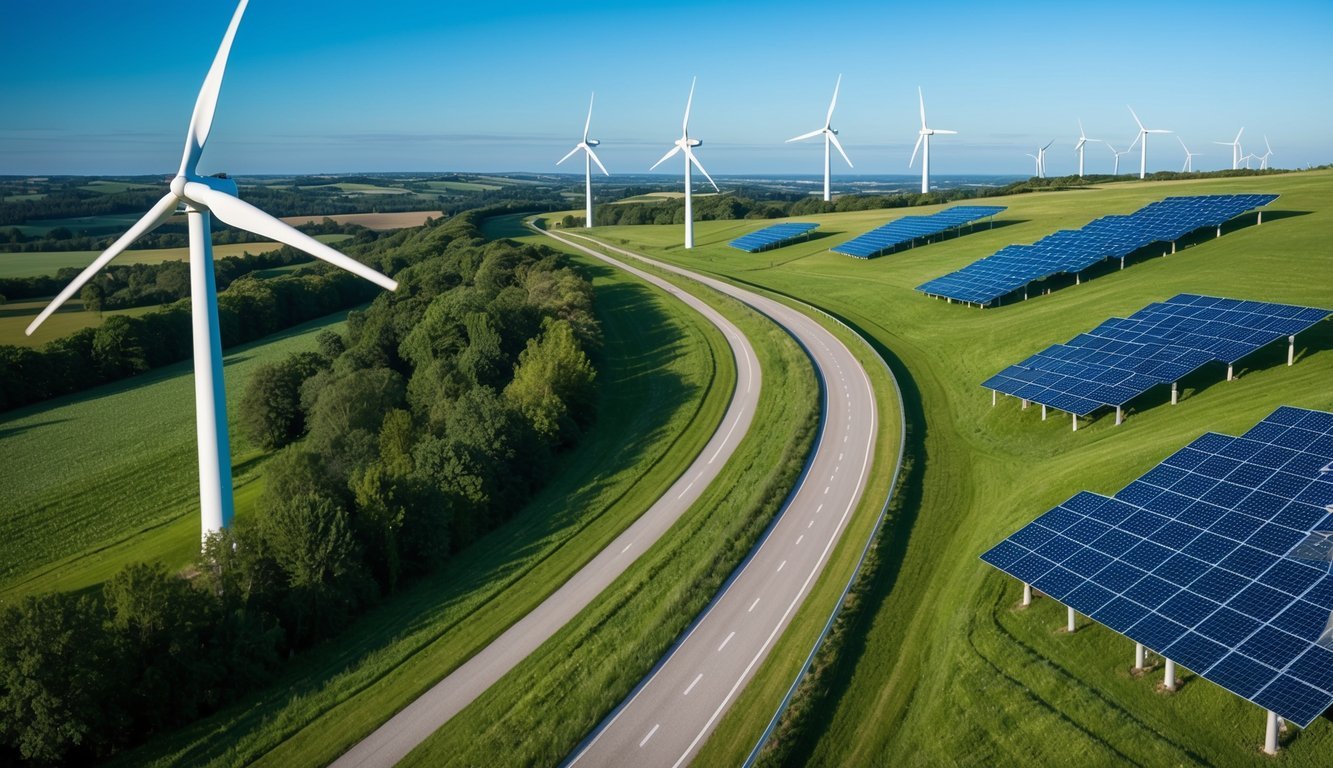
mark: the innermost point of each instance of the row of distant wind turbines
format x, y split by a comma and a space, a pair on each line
687, 144
1141, 140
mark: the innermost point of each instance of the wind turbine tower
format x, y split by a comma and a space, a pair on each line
590, 157
1263, 159
205, 197
830, 137
1142, 140
923, 144
1189, 156
1235, 148
1082, 141
1117, 153
1040, 159
686, 144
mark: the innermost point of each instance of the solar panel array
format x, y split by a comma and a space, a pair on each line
775, 236
1124, 357
910, 228
1074, 250
1217, 559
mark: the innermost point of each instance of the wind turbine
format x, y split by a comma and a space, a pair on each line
1235, 148
1040, 157
1117, 153
1189, 156
1263, 159
1082, 140
1142, 140
923, 144
830, 137
687, 145
1248, 158
204, 196
591, 157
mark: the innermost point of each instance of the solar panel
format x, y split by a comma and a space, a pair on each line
909, 228
775, 236
1072, 251
1124, 357
1218, 559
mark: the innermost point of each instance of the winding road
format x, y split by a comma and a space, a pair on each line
671, 713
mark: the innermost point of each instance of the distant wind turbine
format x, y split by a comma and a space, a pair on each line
1248, 158
1263, 159
590, 157
1235, 148
923, 144
1082, 140
1117, 153
1189, 156
202, 196
1040, 158
1142, 140
830, 137
687, 145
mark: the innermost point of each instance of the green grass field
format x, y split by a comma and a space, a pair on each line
943, 670
76, 470
462, 186
113, 187
15, 316
48, 262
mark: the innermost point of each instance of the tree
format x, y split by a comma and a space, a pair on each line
117, 348
93, 297
270, 412
553, 384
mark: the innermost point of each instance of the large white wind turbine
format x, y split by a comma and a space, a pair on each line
1142, 140
687, 145
1117, 153
1235, 148
1082, 140
1263, 159
830, 137
1040, 159
590, 157
1189, 156
923, 144
202, 196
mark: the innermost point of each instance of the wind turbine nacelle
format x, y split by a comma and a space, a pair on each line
222, 183
693, 142
593, 143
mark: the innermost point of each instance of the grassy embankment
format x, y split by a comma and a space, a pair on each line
942, 668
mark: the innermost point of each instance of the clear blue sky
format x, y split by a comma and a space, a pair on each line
336, 86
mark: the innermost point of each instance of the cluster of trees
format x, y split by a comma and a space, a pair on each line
124, 345
430, 422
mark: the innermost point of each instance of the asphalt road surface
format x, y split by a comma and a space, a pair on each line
392, 741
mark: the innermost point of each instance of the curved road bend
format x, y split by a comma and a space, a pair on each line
392, 741
665, 720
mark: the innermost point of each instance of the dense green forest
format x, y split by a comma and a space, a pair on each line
427, 424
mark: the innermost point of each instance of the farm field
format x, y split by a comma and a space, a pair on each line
108, 476
942, 641
376, 221
49, 262
15, 316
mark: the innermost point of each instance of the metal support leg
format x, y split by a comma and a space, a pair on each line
1169, 676
1175, 394
1259, 220
1027, 594
1219, 231
1043, 412
1025, 404
1122, 262
993, 394
1119, 416
1173, 246
1140, 656
1078, 278
1291, 350
1230, 368
1069, 623
1270, 736
1074, 416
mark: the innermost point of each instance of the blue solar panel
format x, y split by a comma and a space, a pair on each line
909, 228
1255, 620
1124, 357
775, 236
1072, 251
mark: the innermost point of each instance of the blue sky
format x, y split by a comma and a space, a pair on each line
107, 88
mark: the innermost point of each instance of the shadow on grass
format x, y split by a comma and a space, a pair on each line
638, 395
18, 430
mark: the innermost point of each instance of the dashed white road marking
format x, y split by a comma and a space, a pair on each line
650, 735
626, 549
697, 678
724, 642
798, 539
781, 565
752, 605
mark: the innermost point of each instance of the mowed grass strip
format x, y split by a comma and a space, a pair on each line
540, 711
942, 671
87, 475
665, 378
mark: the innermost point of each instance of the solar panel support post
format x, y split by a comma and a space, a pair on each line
1230, 369
1027, 594
1119, 416
1122, 262
1169, 676
1270, 736
1291, 350
1140, 657
994, 394
1219, 230
1043, 412
1025, 404
1074, 417
1175, 393
1260, 219
1173, 246
1069, 622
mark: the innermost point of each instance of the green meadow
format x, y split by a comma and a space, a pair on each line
939, 666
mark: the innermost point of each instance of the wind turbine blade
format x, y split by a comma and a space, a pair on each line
1080, 144
685, 124
941, 130
1136, 117
1238, 133
667, 156
587, 123
1268, 146
700, 166
805, 136
1182, 144
1080, 130
576, 148
833, 137
1134, 143
922, 99
829, 119
920, 137
242, 215
593, 155
150, 221
202, 119
1048, 145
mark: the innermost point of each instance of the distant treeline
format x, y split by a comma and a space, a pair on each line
433, 420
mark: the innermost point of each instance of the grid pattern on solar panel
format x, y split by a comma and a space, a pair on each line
775, 236
1218, 559
1124, 357
1072, 251
909, 228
